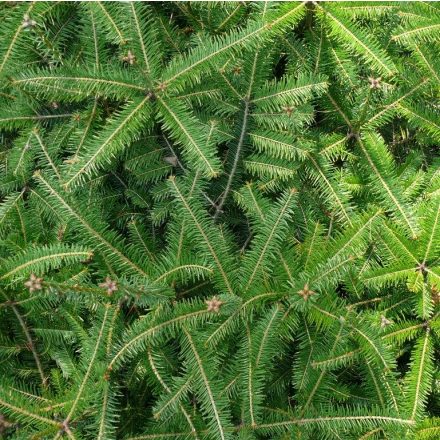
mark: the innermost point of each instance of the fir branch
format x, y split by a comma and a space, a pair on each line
72, 212
161, 278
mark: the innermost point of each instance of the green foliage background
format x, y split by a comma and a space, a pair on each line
219, 220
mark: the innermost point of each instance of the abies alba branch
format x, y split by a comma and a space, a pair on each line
219, 220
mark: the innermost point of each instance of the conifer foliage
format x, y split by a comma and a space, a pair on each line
219, 220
